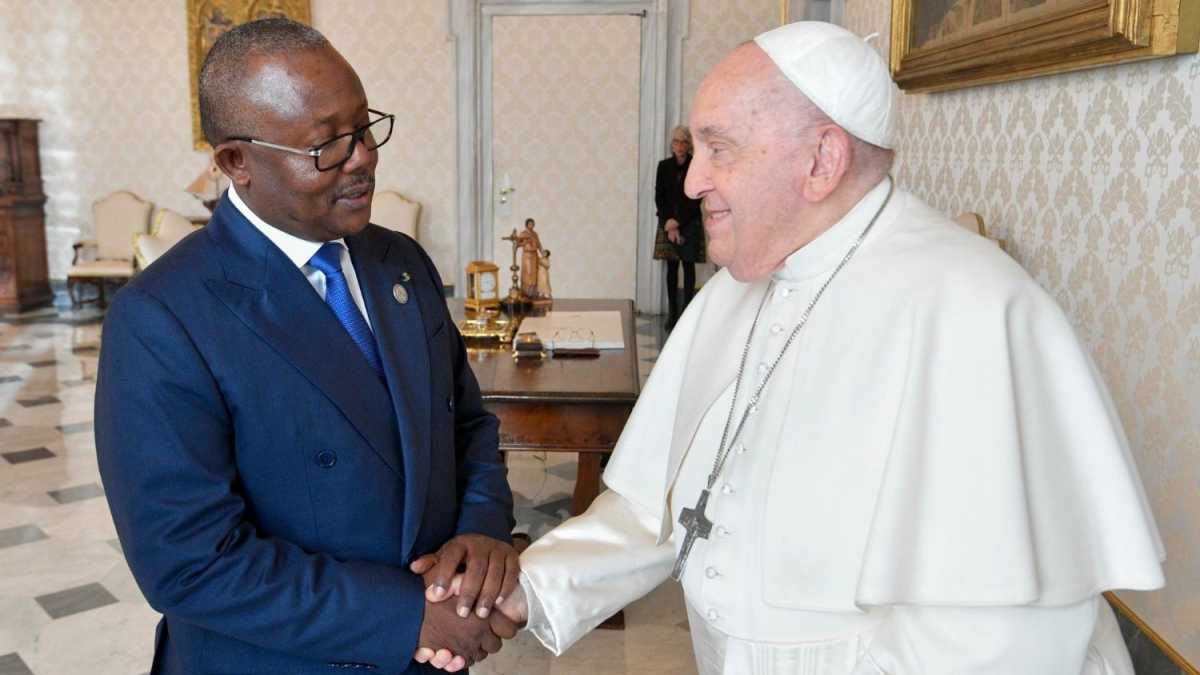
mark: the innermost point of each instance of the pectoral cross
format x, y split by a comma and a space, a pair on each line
698, 526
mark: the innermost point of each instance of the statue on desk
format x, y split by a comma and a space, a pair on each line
532, 284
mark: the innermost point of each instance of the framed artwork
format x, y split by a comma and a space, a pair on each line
950, 44
209, 19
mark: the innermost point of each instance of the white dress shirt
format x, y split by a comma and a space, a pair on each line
300, 251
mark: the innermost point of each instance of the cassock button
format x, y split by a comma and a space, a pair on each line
787, 292
712, 615
727, 489
711, 573
740, 449
777, 329
326, 459
722, 531
400, 293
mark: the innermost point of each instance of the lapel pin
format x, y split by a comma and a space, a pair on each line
404, 277
400, 294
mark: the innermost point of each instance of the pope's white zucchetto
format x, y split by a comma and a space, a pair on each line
840, 73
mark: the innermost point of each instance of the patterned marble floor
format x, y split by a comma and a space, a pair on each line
68, 604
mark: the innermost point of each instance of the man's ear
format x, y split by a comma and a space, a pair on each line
831, 160
232, 162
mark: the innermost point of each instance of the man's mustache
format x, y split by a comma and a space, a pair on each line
357, 186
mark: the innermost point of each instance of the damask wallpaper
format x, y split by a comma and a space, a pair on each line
567, 136
109, 79
717, 26
1094, 179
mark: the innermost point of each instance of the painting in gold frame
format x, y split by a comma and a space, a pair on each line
950, 44
209, 19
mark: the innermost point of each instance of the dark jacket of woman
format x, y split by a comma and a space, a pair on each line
673, 203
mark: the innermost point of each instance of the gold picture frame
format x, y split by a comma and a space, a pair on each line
951, 44
207, 20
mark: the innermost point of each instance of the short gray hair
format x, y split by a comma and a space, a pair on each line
224, 69
682, 130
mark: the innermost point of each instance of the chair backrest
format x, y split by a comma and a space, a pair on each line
169, 228
391, 210
172, 226
972, 221
117, 219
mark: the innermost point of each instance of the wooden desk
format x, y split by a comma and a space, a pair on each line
563, 405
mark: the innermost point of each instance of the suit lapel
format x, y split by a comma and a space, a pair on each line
400, 332
271, 296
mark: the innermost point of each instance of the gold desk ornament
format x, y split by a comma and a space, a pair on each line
488, 328
527, 346
483, 286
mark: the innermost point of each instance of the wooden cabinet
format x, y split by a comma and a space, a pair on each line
24, 278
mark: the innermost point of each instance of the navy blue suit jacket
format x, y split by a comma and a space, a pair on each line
268, 489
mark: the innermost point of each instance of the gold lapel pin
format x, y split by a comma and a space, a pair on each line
400, 293
404, 277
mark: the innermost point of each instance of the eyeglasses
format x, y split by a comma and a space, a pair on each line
337, 151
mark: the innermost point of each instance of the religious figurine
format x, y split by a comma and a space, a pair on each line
531, 252
544, 294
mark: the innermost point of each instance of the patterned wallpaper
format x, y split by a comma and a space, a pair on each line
1094, 178
717, 26
110, 79
567, 135
405, 59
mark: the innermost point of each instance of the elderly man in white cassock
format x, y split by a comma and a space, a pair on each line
873, 444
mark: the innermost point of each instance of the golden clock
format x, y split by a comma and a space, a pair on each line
483, 286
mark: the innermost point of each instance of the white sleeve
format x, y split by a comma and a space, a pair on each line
924, 640
591, 566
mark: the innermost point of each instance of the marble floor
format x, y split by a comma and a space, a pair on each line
68, 604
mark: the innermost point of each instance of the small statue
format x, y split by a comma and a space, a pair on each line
543, 277
531, 251
531, 278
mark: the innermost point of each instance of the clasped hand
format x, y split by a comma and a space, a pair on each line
482, 573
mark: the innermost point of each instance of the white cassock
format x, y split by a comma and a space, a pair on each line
936, 480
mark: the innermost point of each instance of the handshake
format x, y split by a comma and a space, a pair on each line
490, 603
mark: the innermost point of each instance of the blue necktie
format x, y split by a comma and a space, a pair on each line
337, 295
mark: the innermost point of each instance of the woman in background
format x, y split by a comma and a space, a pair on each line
680, 237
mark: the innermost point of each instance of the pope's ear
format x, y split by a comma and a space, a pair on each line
232, 161
831, 162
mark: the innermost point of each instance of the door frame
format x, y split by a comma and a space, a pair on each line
664, 28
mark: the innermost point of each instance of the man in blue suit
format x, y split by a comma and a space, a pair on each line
285, 416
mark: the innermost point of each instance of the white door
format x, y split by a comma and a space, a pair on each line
565, 132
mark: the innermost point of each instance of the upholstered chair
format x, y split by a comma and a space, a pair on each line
974, 223
168, 229
109, 257
391, 210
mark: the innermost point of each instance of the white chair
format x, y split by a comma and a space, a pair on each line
109, 257
168, 229
391, 210
973, 222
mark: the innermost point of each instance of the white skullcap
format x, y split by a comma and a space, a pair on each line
840, 73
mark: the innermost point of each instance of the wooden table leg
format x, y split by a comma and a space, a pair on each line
587, 482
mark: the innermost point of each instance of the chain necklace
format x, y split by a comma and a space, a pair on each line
694, 520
